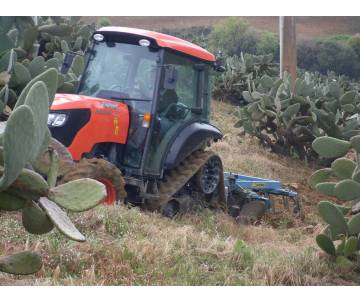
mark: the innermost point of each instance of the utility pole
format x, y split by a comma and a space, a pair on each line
288, 61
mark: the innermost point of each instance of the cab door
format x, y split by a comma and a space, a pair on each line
177, 96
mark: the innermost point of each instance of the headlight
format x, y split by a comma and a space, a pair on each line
56, 119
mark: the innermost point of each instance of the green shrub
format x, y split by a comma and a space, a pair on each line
103, 21
324, 56
342, 38
268, 43
233, 36
354, 42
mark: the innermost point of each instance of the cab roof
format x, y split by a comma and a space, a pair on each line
165, 41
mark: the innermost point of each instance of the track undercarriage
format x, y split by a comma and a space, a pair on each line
196, 183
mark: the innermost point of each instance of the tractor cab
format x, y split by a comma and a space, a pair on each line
160, 82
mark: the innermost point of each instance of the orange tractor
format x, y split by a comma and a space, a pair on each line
139, 121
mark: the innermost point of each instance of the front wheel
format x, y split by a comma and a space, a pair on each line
102, 171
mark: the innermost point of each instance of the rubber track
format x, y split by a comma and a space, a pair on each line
178, 177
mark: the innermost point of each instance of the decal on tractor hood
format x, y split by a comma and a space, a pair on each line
110, 105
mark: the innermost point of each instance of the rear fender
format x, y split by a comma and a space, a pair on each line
190, 139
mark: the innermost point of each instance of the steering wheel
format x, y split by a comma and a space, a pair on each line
179, 107
130, 91
114, 86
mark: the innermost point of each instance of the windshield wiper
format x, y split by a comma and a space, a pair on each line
110, 94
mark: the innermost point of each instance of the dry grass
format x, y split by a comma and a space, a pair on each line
130, 247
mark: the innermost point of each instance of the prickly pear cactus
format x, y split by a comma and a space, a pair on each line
29, 48
23, 141
341, 237
287, 116
230, 84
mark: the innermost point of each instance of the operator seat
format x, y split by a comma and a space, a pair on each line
167, 99
167, 110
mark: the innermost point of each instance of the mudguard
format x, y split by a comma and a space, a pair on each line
190, 139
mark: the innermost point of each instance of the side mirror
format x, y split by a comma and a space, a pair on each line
219, 63
69, 57
219, 68
171, 77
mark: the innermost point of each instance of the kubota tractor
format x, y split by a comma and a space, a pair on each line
139, 121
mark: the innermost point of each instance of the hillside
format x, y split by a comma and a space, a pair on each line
130, 247
307, 27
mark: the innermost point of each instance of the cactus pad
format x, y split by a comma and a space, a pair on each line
344, 263
53, 169
333, 216
36, 66
38, 101
355, 143
343, 168
266, 82
5, 60
10, 202
18, 142
319, 176
49, 77
31, 181
291, 110
330, 147
35, 220
52, 63
61, 220
326, 188
64, 46
67, 88
77, 65
344, 210
45, 144
56, 29
325, 243
350, 246
24, 263
20, 77
354, 224
347, 189
348, 98
78, 195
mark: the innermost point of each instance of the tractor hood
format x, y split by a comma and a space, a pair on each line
75, 101
87, 121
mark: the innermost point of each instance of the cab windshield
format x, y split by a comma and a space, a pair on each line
120, 71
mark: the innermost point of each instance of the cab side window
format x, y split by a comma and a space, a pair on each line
178, 93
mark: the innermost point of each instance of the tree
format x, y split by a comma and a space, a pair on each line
354, 43
233, 36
